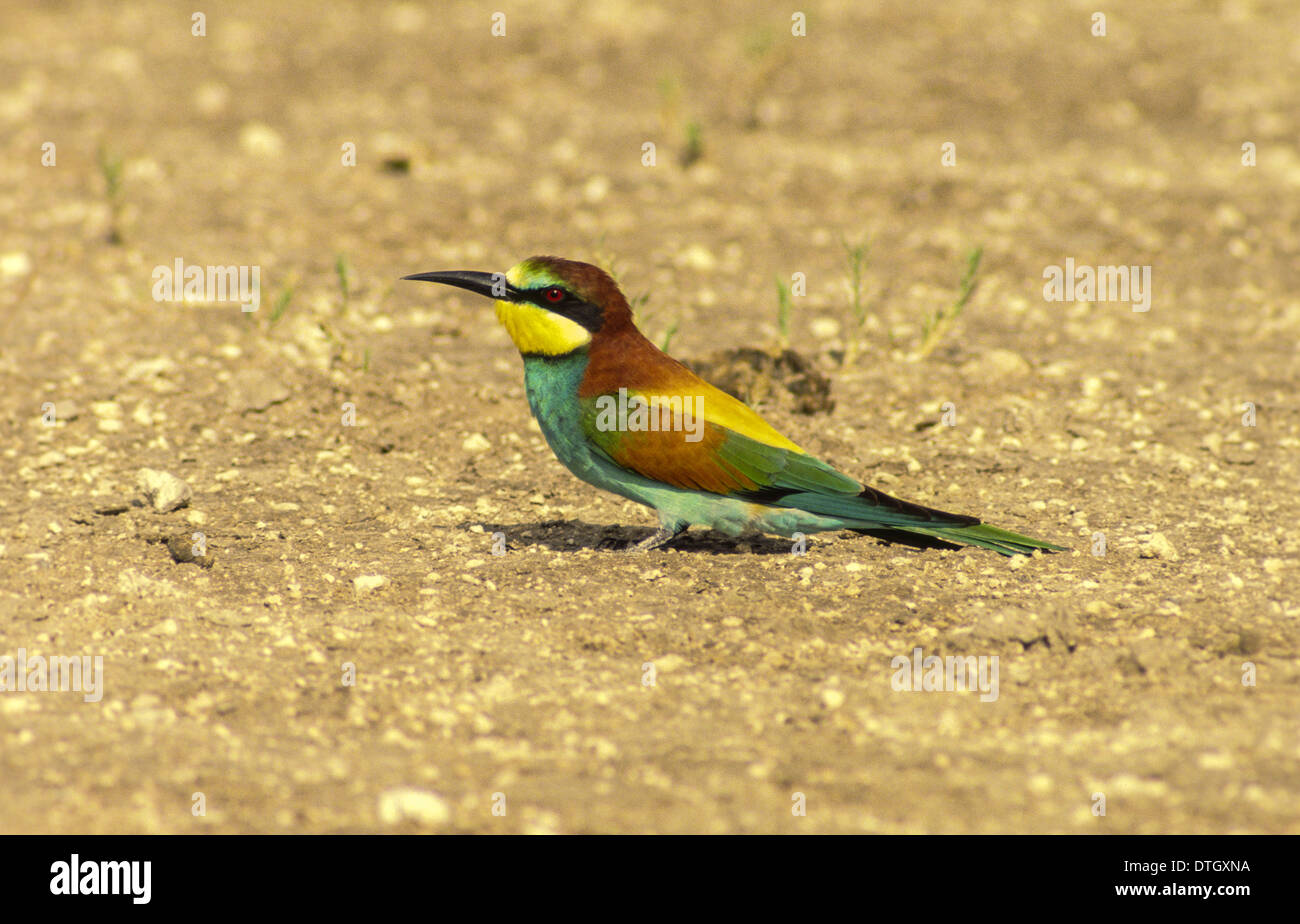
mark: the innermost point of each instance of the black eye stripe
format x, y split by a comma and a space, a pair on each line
571, 307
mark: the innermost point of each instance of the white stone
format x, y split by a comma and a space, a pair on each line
163, 490
409, 804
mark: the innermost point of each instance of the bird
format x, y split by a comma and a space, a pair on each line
626, 417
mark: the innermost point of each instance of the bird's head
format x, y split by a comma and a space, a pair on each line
549, 306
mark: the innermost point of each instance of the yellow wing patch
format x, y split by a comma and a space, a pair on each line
722, 410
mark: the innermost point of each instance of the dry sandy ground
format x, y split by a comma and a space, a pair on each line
1160, 672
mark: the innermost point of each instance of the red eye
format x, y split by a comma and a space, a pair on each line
554, 294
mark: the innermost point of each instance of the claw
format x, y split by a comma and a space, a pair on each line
661, 536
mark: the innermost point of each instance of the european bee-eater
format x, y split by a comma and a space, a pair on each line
624, 416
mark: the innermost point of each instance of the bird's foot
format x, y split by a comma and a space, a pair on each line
662, 536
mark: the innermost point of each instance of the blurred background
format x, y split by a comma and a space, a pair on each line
474, 150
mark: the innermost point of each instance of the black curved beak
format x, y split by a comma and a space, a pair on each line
491, 285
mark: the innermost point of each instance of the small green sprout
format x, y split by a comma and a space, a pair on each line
110, 167
934, 327
783, 306
855, 256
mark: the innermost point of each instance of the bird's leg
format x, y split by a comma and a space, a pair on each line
661, 536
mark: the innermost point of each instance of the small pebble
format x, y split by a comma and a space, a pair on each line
164, 491
410, 804
368, 582
476, 443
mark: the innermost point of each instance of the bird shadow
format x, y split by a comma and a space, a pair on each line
576, 535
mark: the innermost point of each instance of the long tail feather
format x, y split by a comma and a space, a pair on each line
990, 537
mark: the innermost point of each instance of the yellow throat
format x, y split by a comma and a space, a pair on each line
536, 330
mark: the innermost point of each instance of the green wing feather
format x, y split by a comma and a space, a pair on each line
733, 464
